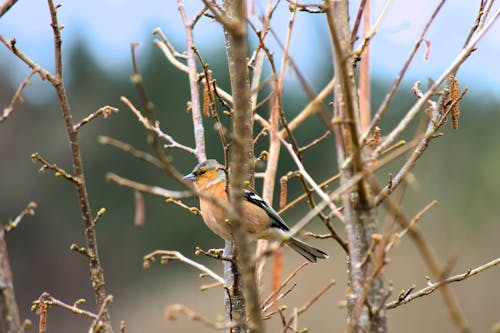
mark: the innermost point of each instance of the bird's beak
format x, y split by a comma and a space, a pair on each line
190, 177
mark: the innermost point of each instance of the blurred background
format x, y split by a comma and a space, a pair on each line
460, 170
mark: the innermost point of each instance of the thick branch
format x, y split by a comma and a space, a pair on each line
242, 153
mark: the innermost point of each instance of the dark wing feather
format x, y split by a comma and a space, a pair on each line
276, 220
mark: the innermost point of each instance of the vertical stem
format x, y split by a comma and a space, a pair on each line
234, 301
199, 131
364, 74
242, 156
9, 311
96, 272
365, 300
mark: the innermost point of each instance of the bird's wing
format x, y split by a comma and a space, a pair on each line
276, 220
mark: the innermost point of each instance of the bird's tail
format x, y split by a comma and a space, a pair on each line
307, 251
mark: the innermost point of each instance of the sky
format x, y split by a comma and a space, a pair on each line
109, 26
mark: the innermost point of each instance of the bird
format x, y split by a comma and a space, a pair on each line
260, 219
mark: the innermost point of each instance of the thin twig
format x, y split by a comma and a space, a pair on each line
315, 297
176, 255
452, 68
396, 237
17, 96
307, 305
6, 5
49, 300
156, 129
97, 324
311, 182
436, 285
105, 111
172, 310
388, 98
151, 189
199, 131
139, 154
265, 303
59, 172
29, 210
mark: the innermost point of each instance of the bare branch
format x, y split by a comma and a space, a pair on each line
311, 182
388, 98
9, 311
105, 111
176, 255
49, 301
58, 171
139, 154
98, 324
396, 237
172, 311
199, 131
17, 96
156, 129
155, 190
6, 5
29, 210
436, 285
453, 67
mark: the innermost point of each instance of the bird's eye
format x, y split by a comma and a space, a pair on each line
202, 171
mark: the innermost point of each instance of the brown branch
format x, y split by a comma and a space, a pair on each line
436, 285
313, 183
357, 21
211, 87
307, 305
242, 155
364, 73
6, 5
303, 196
315, 142
199, 131
98, 324
176, 255
139, 154
58, 171
29, 210
159, 133
105, 111
172, 310
147, 105
44, 74
96, 271
452, 69
360, 216
388, 98
435, 122
267, 303
9, 311
315, 297
345, 88
151, 189
17, 96
430, 259
47, 300
217, 254
396, 237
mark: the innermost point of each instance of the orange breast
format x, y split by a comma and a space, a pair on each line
255, 219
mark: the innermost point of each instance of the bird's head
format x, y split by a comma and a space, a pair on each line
206, 174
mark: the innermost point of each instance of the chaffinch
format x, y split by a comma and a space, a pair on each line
261, 220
